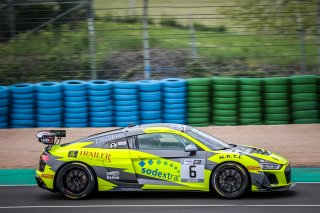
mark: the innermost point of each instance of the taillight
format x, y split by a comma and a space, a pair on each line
44, 158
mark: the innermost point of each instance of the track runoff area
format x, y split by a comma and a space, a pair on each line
18, 193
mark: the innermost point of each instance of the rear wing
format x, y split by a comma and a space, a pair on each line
50, 137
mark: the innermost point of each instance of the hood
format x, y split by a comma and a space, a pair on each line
262, 155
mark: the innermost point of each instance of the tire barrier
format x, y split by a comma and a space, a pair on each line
101, 103
224, 101
4, 106
75, 103
150, 96
49, 98
174, 98
275, 100
198, 101
22, 105
304, 100
126, 106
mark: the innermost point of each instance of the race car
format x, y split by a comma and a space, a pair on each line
157, 157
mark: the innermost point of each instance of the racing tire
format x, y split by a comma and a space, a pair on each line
73, 176
234, 184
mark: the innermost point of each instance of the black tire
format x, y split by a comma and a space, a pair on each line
76, 172
235, 176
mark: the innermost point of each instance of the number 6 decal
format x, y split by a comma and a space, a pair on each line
192, 173
192, 170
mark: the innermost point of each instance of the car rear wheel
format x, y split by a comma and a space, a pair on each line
230, 180
76, 181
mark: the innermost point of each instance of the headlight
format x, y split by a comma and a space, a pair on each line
270, 166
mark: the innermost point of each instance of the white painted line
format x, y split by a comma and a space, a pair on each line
162, 205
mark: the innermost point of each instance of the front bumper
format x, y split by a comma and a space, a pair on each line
277, 189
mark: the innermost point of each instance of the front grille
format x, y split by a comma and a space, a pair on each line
287, 173
42, 164
272, 178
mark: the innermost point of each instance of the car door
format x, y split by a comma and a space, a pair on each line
161, 162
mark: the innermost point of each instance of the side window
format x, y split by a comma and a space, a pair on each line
162, 141
120, 143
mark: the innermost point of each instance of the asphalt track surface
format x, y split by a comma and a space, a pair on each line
31, 199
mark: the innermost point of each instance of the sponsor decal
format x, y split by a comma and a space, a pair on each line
73, 154
113, 145
192, 170
109, 138
97, 155
113, 175
158, 174
122, 143
229, 156
47, 176
253, 168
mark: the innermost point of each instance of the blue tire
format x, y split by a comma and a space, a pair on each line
99, 98
126, 108
150, 96
171, 95
24, 96
176, 111
22, 88
125, 97
75, 104
4, 125
150, 106
154, 121
4, 92
173, 82
127, 119
118, 91
125, 124
3, 119
75, 120
4, 110
100, 92
48, 87
98, 124
149, 85
126, 103
125, 85
49, 124
23, 123
175, 101
183, 121
50, 111
4, 102
174, 116
49, 96
100, 103
174, 106
150, 115
74, 85
22, 106
124, 114
75, 99
74, 125
76, 110
100, 85
101, 114
75, 93
101, 119
49, 104
83, 115
26, 101
175, 89
22, 116
101, 109
49, 118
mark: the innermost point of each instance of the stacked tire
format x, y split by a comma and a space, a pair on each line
75, 103
304, 103
49, 104
4, 107
224, 101
126, 105
100, 102
150, 96
174, 100
198, 101
22, 105
276, 104
250, 101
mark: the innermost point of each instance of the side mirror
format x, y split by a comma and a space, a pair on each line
191, 148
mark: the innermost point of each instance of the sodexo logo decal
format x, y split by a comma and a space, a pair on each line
161, 169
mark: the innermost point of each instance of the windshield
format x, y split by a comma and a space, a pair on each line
208, 140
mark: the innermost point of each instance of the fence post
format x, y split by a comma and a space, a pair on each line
318, 33
12, 18
91, 34
192, 38
146, 50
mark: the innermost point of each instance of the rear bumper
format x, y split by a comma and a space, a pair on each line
42, 185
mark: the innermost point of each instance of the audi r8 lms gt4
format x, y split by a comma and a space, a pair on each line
157, 157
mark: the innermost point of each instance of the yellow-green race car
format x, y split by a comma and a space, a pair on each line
157, 157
